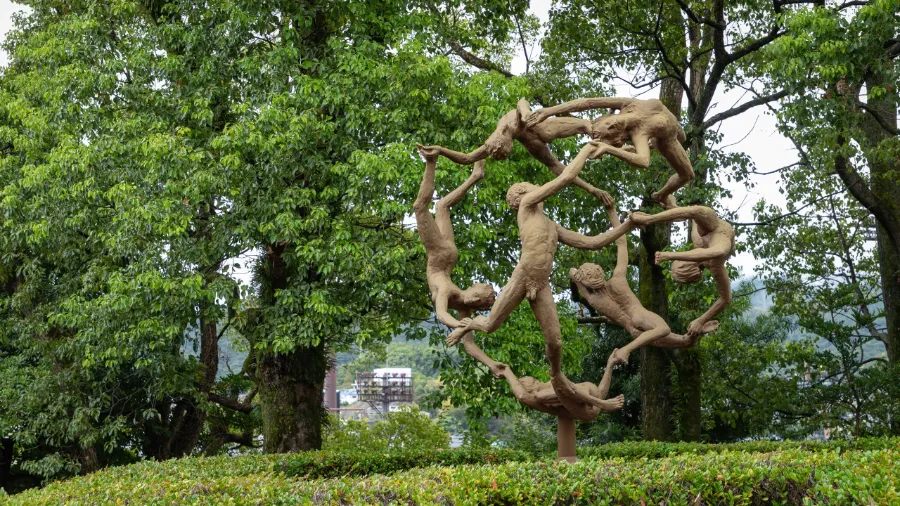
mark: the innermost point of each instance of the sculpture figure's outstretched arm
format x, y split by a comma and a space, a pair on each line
705, 217
441, 301
621, 243
603, 387
578, 105
591, 242
591, 150
442, 208
480, 153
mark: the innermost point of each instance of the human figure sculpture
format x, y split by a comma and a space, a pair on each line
713, 240
437, 236
531, 278
614, 299
638, 121
511, 127
540, 395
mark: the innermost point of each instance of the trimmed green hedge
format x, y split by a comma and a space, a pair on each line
844, 472
794, 476
655, 449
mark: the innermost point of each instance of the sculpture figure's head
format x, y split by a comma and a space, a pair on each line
589, 276
500, 143
686, 272
610, 129
515, 193
479, 296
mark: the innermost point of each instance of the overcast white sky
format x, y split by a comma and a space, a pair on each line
768, 149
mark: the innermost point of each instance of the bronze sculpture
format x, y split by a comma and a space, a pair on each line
641, 122
638, 121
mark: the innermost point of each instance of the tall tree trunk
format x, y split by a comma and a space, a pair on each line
6, 456
656, 394
290, 393
290, 384
885, 185
657, 406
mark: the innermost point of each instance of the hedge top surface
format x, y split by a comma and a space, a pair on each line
792, 476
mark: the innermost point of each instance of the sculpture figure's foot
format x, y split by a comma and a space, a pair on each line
610, 405
710, 327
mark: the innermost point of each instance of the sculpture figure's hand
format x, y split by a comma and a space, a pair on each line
534, 118
611, 361
629, 148
600, 148
463, 323
429, 152
605, 199
498, 369
638, 218
661, 256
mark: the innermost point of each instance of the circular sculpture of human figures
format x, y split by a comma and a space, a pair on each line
638, 121
531, 280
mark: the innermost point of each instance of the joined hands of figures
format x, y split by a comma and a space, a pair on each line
429, 152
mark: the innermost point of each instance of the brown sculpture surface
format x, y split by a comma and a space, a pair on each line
638, 121
644, 124
535, 138
713, 240
614, 299
531, 280
437, 235
540, 395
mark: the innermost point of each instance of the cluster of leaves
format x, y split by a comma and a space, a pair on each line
406, 429
767, 473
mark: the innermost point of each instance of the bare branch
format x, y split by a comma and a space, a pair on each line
475, 61
759, 100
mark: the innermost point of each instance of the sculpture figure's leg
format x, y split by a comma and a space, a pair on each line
648, 337
580, 405
678, 159
442, 208
510, 298
681, 341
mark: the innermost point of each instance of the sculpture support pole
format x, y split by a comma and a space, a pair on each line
565, 439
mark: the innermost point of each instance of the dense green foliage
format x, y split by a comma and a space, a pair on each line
406, 429
629, 473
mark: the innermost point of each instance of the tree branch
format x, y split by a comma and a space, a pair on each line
878, 119
861, 191
759, 100
233, 404
475, 61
